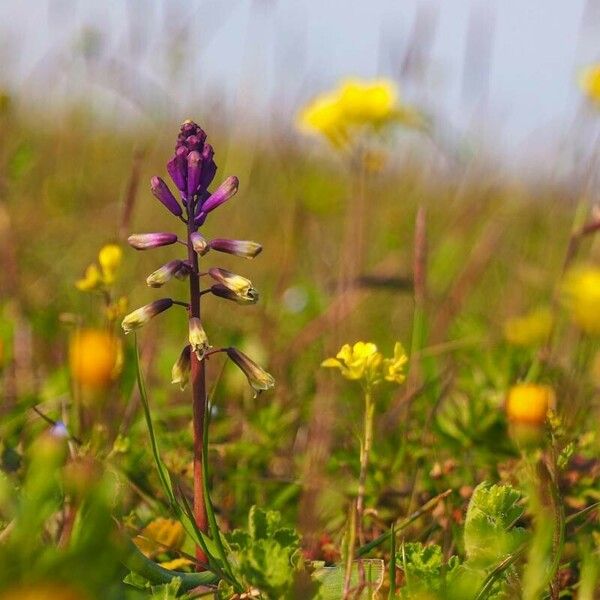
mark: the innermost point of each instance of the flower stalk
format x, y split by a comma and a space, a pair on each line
192, 170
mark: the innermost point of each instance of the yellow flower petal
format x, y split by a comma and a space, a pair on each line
589, 82
109, 258
528, 403
176, 564
91, 279
160, 535
581, 298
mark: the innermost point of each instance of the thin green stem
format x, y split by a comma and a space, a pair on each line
365, 452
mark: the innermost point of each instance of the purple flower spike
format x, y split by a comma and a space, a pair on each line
177, 168
162, 193
225, 191
147, 241
194, 173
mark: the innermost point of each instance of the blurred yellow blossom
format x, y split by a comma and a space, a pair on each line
393, 368
95, 358
91, 279
177, 564
581, 297
160, 535
109, 258
528, 403
95, 277
363, 361
354, 105
589, 82
531, 329
324, 116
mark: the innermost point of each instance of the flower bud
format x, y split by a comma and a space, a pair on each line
198, 338
146, 241
199, 243
225, 191
224, 292
181, 369
142, 315
236, 283
184, 270
209, 168
257, 377
60, 431
177, 169
194, 172
529, 403
164, 274
162, 193
95, 358
243, 248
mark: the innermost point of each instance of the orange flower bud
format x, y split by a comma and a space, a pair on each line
95, 357
529, 403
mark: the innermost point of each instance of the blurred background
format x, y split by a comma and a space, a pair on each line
497, 72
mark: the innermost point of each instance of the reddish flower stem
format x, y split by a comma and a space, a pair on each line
198, 380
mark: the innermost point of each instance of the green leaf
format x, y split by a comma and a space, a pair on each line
332, 579
490, 534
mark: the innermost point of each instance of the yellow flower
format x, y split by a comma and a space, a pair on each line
361, 361
589, 82
356, 104
109, 258
324, 115
160, 535
176, 564
368, 102
95, 358
91, 279
528, 403
531, 329
393, 367
581, 297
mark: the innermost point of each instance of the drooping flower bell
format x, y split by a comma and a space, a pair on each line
257, 377
142, 315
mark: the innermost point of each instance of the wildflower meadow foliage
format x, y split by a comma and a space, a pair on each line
460, 463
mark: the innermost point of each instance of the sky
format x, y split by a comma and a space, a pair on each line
505, 69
